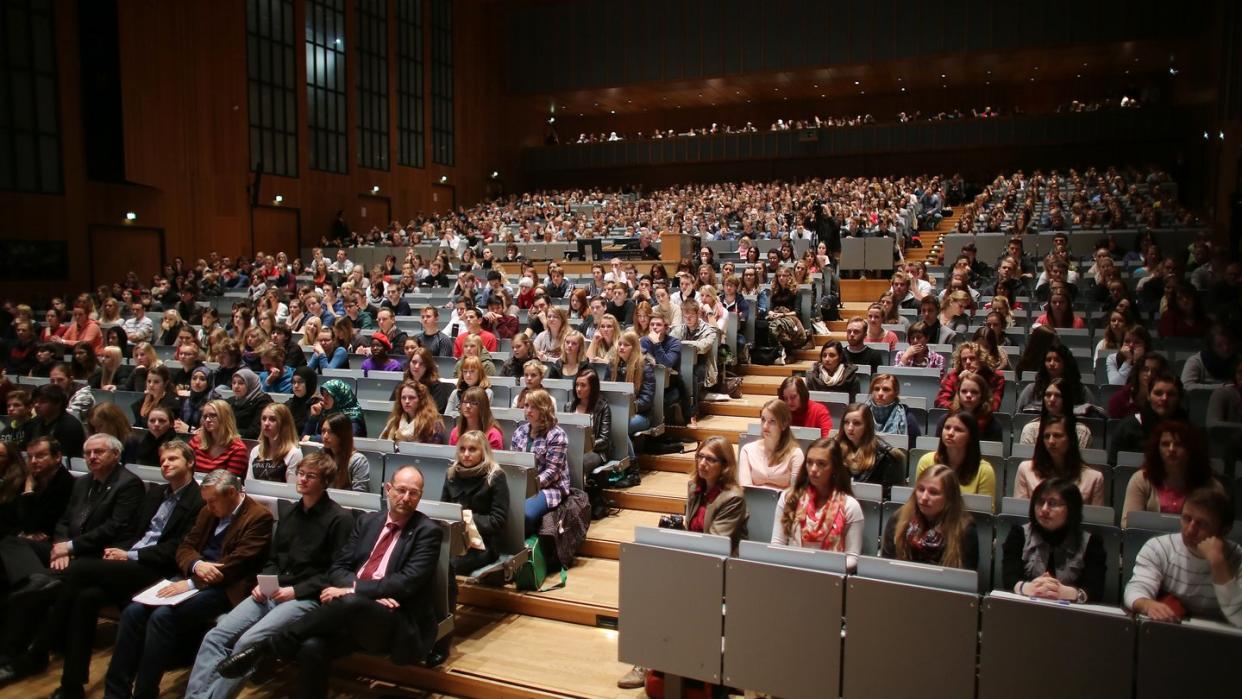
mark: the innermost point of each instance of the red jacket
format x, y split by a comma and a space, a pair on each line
814, 414
948, 389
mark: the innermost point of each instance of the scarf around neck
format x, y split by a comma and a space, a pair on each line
889, 419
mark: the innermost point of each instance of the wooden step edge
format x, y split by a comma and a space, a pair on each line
732, 409
457, 683
629, 500
665, 462
698, 434
600, 548
509, 600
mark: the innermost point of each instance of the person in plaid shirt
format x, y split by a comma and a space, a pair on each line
541, 436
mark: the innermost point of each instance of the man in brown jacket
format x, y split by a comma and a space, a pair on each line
219, 558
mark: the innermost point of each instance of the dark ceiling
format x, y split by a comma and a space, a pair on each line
1123, 62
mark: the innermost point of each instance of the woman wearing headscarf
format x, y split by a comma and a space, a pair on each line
247, 402
335, 397
201, 385
305, 394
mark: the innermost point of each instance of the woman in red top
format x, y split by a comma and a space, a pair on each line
82, 329
806, 412
1059, 313
971, 356
216, 444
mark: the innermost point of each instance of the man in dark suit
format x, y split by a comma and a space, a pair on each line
52, 419
219, 559
380, 602
167, 513
102, 510
45, 494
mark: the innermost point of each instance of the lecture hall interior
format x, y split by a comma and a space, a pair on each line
603, 348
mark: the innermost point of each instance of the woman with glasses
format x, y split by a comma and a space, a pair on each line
474, 414
715, 503
217, 444
1051, 557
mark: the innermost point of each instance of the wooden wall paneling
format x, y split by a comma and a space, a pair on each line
117, 249
372, 210
278, 228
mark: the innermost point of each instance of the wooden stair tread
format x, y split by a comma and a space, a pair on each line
619, 528
589, 596
515, 650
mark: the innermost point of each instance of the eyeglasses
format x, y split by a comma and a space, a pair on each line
308, 475
1051, 504
708, 458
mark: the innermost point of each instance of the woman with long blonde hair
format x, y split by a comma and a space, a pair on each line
277, 455
217, 444
470, 373
549, 343
605, 339
414, 417
775, 458
933, 525
573, 357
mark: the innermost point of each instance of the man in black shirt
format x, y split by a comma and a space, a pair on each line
53, 420
856, 350
621, 307
19, 353
310, 534
431, 338
282, 337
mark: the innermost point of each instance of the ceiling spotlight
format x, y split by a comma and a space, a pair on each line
495, 174
551, 120
1206, 136
857, 82
942, 75
1173, 71
612, 111
1222, 135
903, 89
278, 199
375, 189
131, 216
443, 179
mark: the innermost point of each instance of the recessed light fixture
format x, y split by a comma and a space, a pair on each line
375, 189
857, 82
612, 111
131, 216
278, 199
903, 89
495, 174
443, 179
1222, 135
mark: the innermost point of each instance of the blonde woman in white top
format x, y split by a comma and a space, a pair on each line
277, 455
774, 459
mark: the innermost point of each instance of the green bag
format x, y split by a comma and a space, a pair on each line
530, 576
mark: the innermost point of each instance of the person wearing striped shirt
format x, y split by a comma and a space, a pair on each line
1197, 569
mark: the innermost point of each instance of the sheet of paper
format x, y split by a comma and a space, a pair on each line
150, 598
268, 585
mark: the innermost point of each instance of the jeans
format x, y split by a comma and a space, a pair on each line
151, 640
248, 624
536, 508
638, 423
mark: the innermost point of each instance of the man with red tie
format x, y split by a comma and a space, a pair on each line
380, 601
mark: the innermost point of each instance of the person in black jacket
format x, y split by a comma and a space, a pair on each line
53, 420
588, 400
136, 561
102, 510
310, 534
45, 492
393, 615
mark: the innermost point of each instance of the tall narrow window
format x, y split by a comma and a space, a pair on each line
372, 83
325, 85
442, 151
29, 99
410, 148
271, 72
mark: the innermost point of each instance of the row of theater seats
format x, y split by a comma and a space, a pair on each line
794, 624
